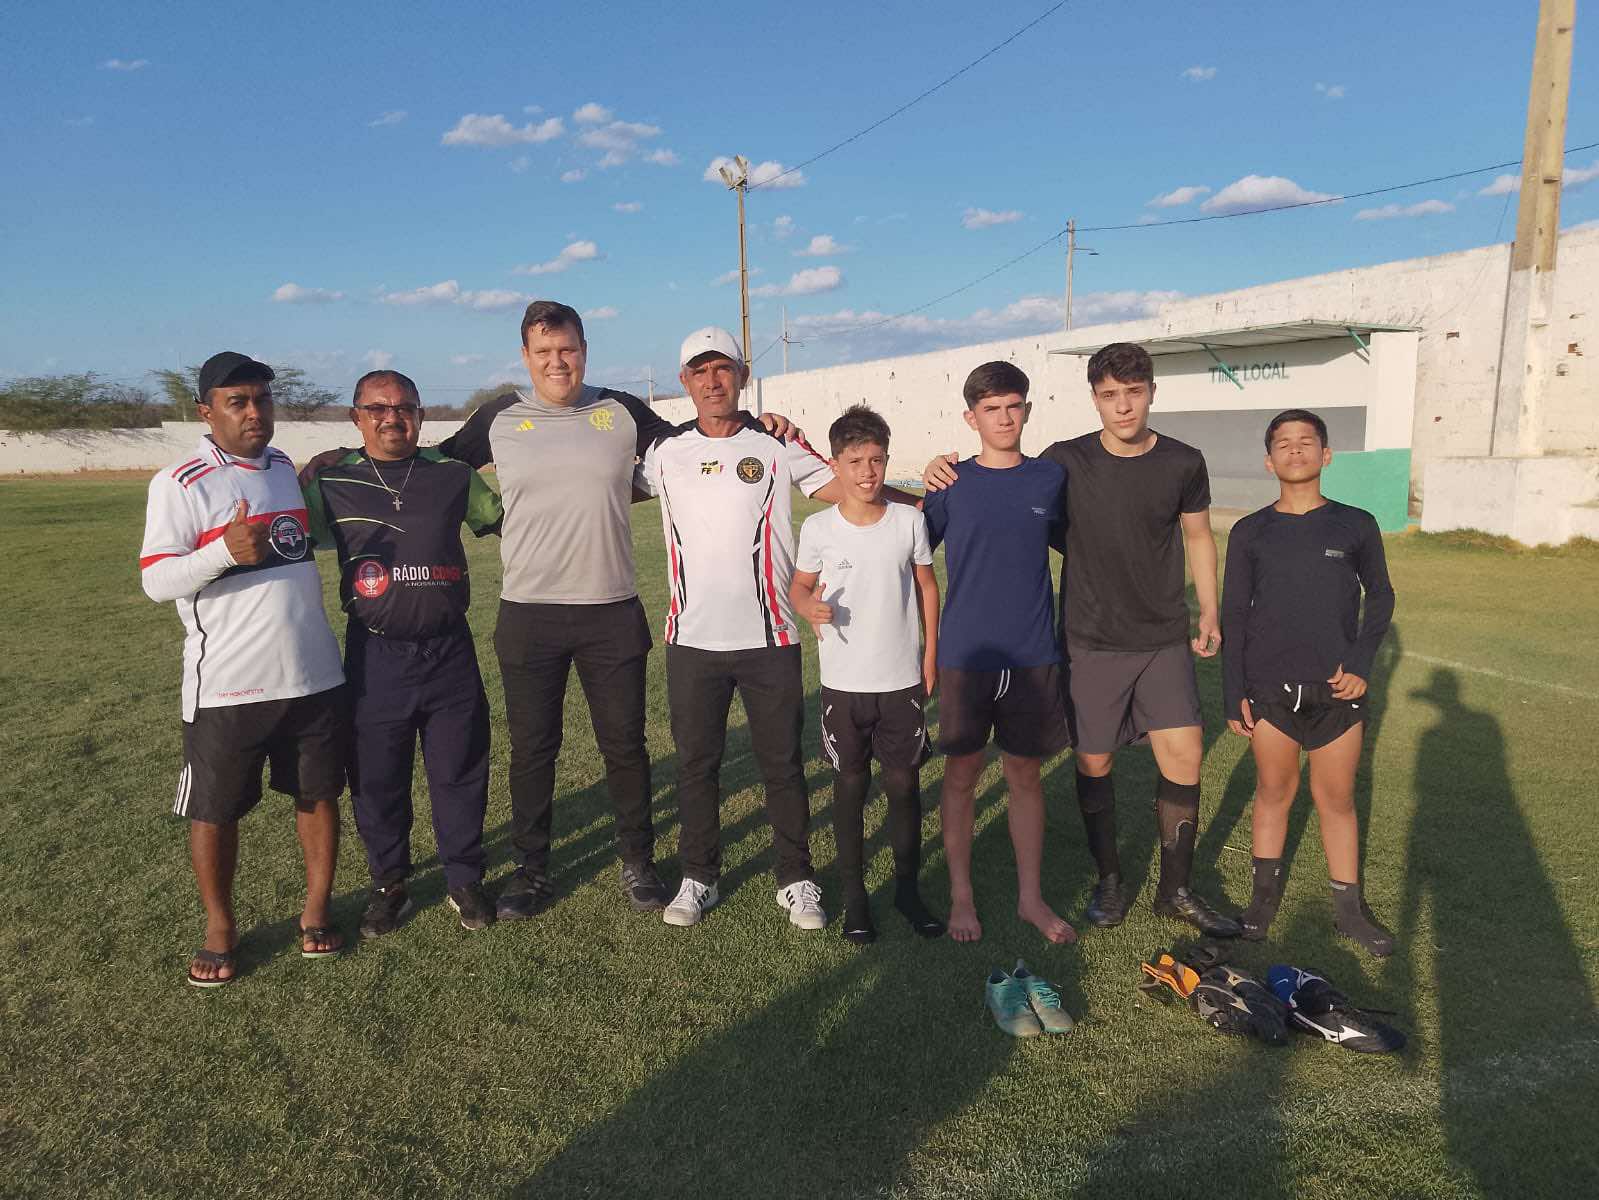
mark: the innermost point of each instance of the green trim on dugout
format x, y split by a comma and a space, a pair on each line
1375, 480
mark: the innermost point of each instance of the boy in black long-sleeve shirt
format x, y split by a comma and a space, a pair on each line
1296, 655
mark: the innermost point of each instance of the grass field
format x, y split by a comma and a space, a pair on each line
595, 1052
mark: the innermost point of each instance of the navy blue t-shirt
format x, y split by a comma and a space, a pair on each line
996, 527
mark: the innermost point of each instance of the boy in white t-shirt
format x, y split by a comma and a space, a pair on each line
863, 574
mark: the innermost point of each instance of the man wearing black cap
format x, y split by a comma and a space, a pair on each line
225, 536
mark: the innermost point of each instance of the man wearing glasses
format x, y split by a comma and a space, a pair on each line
394, 514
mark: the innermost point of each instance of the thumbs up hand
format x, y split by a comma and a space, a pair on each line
246, 542
817, 613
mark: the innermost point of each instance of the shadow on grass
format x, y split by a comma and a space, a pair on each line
1510, 976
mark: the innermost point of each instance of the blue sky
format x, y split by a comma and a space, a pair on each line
336, 186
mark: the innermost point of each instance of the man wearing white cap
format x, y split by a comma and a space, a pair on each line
725, 490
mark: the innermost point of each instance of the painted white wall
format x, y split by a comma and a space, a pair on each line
67, 450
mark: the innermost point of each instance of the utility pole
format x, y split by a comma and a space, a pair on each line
739, 182
784, 311
650, 378
1071, 252
1524, 351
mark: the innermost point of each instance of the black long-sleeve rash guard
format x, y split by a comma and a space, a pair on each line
1291, 599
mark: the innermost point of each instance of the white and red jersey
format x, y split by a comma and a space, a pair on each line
727, 515
252, 633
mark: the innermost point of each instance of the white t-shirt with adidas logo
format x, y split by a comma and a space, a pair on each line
867, 573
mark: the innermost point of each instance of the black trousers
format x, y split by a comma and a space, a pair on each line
538, 645
401, 690
770, 682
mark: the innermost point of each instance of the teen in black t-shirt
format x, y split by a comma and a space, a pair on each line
1297, 657
1136, 503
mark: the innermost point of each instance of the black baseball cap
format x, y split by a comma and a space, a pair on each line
230, 367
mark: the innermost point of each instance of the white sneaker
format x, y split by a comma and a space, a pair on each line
690, 904
804, 903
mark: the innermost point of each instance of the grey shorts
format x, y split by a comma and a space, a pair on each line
1115, 697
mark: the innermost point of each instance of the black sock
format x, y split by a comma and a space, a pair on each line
1353, 919
858, 927
849, 802
1177, 815
908, 900
1096, 798
903, 787
1266, 896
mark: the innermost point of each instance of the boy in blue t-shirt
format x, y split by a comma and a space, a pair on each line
998, 656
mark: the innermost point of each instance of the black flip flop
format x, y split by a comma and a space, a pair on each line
320, 933
215, 958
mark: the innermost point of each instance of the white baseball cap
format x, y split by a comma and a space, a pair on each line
713, 339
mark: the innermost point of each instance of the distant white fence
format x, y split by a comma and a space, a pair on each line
64, 451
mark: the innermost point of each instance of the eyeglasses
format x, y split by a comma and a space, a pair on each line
376, 411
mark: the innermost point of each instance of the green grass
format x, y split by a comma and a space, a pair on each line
595, 1052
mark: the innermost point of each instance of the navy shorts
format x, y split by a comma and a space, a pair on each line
1023, 707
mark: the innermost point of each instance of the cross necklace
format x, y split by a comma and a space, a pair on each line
394, 495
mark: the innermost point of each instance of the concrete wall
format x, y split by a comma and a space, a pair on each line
67, 450
1456, 300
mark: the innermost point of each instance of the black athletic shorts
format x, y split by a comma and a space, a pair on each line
891, 725
1023, 706
1118, 696
304, 740
1307, 712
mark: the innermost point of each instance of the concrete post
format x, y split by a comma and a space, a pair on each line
1524, 350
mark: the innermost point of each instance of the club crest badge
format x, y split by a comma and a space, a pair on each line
602, 420
751, 470
287, 536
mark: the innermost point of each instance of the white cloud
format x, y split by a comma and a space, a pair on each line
908, 335
803, 283
125, 64
378, 360
1333, 91
1199, 74
983, 218
783, 226
80, 122
476, 129
822, 245
619, 139
727, 277
577, 175
771, 173
572, 252
1577, 176
592, 114
1261, 191
628, 206
662, 158
532, 109
604, 312
465, 360
1177, 197
449, 292
1423, 208
293, 293
520, 163
389, 118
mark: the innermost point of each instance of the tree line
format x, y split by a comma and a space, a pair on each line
86, 401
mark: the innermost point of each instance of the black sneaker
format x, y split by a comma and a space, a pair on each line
1107, 907
643, 887
472, 903
527, 895
386, 907
1186, 906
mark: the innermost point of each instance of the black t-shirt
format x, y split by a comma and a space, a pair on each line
402, 569
1291, 598
1121, 585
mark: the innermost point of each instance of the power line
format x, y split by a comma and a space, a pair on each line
1134, 226
943, 83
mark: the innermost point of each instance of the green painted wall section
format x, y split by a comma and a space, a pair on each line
1375, 480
